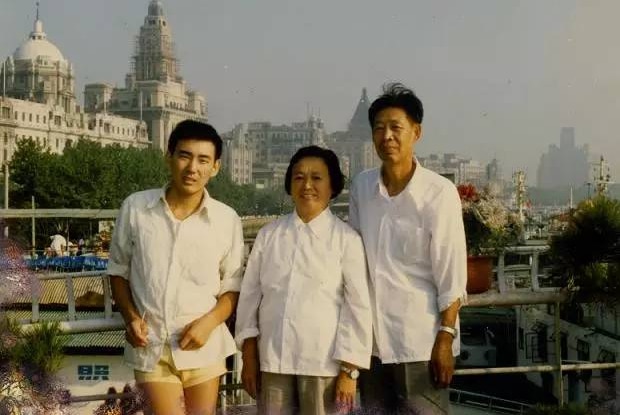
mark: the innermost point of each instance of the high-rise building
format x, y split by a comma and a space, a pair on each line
459, 169
566, 165
37, 102
273, 146
154, 89
238, 155
354, 147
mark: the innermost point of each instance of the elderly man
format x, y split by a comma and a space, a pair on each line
411, 223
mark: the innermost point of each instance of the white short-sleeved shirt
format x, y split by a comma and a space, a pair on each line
417, 259
177, 270
305, 295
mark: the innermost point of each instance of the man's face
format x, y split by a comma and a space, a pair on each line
395, 135
192, 165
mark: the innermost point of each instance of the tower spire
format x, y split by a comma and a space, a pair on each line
38, 4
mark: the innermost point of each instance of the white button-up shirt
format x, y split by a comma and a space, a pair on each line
177, 269
305, 295
417, 260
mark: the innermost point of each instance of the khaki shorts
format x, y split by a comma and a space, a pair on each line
166, 372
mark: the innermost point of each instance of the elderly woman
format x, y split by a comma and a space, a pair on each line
304, 321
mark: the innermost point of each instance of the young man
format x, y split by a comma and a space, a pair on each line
176, 266
411, 223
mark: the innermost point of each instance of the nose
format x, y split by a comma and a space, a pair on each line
387, 134
307, 183
192, 166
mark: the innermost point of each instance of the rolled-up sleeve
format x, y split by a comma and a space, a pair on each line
121, 245
231, 268
448, 249
246, 325
354, 336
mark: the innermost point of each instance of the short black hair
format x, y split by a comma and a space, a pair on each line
336, 177
396, 95
195, 130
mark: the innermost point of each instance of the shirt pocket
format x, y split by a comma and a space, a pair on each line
411, 243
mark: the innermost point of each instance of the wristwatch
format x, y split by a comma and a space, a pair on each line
453, 332
353, 373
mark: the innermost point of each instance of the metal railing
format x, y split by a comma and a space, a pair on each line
503, 297
488, 403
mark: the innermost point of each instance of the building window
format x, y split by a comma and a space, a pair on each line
521, 335
23, 116
57, 143
57, 120
583, 350
564, 346
37, 117
30, 117
16, 114
44, 120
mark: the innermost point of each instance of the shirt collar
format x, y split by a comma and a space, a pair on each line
411, 188
319, 226
160, 197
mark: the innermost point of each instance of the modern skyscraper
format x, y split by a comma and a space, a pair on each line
566, 165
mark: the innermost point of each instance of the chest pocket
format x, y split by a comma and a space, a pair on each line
411, 243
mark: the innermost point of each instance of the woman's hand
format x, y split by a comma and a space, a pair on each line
345, 393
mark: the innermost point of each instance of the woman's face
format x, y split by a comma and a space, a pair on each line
311, 187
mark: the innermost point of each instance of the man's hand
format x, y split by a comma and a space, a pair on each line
196, 333
345, 393
136, 331
442, 361
250, 371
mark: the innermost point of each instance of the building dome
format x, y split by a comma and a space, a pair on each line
156, 8
37, 45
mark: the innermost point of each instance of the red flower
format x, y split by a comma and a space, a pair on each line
468, 192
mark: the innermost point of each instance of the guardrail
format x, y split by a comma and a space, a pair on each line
504, 297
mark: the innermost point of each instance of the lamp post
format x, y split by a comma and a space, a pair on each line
5, 166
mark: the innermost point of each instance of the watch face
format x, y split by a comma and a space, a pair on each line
354, 374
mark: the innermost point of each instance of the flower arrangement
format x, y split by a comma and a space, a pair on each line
489, 225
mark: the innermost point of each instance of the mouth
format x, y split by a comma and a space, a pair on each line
308, 196
188, 180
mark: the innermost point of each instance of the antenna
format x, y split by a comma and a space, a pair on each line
38, 4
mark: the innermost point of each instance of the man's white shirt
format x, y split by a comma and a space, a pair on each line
417, 259
177, 269
305, 295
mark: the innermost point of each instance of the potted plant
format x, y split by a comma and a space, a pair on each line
489, 228
586, 253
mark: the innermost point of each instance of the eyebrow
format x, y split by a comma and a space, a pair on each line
189, 153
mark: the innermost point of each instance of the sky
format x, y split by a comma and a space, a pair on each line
497, 78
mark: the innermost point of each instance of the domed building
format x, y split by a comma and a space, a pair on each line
38, 102
38, 72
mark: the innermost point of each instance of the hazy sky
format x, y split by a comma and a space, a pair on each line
498, 78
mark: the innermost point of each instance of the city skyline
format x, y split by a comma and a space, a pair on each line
490, 88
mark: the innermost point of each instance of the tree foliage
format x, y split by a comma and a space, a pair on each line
587, 253
90, 176
87, 175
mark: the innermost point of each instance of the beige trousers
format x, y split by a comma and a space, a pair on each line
296, 394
